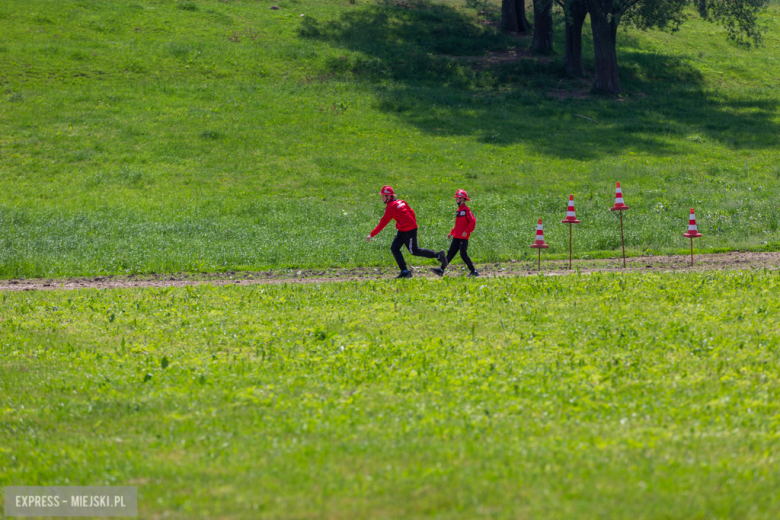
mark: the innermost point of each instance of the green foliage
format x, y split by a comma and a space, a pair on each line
646, 14
600, 396
740, 18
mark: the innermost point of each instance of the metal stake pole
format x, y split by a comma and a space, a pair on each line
569, 246
623, 240
539, 268
691, 251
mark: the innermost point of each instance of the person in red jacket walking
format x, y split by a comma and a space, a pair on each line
406, 224
465, 221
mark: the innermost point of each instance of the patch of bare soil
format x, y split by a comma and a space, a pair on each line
492, 59
576, 88
583, 93
726, 261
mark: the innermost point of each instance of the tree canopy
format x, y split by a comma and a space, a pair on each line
739, 17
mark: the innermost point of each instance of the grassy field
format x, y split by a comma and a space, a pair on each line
642, 396
204, 135
159, 136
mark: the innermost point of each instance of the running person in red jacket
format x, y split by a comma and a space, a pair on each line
465, 221
406, 224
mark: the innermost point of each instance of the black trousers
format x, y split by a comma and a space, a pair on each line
461, 244
408, 239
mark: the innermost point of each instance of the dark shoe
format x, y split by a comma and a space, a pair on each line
404, 274
473, 274
438, 270
443, 259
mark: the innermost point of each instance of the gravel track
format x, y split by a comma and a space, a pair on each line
733, 261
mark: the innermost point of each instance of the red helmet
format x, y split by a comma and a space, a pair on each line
462, 194
387, 190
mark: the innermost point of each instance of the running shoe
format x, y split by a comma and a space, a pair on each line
443, 259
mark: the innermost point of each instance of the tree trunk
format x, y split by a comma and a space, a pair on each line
575, 17
604, 54
522, 17
543, 27
513, 16
509, 16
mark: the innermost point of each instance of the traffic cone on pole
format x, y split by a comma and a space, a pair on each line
692, 231
621, 207
539, 243
570, 219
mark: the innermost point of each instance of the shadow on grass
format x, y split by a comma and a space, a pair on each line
449, 73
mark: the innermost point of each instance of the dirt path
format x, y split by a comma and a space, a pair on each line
734, 260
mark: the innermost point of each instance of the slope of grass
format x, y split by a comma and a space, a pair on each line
605, 396
157, 136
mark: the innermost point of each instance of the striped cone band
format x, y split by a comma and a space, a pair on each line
539, 242
692, 231
619, 204
571, 218
618, 194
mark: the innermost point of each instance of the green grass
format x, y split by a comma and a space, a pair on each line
157, 136
642, 396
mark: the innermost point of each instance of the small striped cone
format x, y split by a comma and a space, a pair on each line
619, 206
692, 231
539, 244
570, 217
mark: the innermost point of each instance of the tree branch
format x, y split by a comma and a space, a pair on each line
628, 6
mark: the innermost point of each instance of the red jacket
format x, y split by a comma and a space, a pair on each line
405, 219
464, 221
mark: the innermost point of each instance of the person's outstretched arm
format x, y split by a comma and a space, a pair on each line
386, 218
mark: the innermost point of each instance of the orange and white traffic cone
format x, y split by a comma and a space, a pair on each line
570, 219
693, 232
620, 206
539, 243
570, 216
